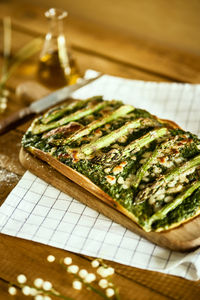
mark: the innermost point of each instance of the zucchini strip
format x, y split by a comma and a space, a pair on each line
55, 114
161, 214
73, 117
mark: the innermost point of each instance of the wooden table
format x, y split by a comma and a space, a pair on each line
109, 52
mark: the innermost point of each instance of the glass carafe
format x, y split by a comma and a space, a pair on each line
56, 64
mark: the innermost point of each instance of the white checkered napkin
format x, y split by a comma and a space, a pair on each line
37, 211
173, 101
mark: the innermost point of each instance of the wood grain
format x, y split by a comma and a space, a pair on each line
110, 44
185, 237
85, 59
143, 18
34, 265
109, 52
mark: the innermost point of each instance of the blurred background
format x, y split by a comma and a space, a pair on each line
174, 23
153, 40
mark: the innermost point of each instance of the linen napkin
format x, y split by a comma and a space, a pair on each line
36, 211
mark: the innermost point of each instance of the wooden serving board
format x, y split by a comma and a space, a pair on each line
184, 238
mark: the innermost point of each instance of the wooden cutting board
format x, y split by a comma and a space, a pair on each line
185, 237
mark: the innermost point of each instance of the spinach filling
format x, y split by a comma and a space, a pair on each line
187, 209
98, 165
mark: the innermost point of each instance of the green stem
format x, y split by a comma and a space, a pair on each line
123, 110
88, 285
50, 293
73, 117
179, 170
27, 51
172, 205
6, 45
141, 172
110, 138
163, 180
116, 134
144, 140
98, 292
55, 114
58, 295
144, 168
117, 296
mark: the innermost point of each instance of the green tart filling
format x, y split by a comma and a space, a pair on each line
145, 164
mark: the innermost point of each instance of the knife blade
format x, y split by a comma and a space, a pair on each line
44, 103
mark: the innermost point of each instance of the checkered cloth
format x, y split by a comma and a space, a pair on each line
36, 211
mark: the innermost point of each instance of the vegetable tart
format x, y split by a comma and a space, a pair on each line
145, 167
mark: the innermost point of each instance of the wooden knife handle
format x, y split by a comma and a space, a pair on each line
14, 119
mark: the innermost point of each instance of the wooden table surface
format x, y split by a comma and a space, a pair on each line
109, 52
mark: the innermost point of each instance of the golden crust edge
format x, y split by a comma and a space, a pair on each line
97, 191
88, 184
177, 224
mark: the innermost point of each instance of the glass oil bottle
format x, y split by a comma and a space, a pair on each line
57, 67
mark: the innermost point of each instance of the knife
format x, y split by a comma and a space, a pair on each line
43, 103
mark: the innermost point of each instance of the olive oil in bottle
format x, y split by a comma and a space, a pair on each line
56, 65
